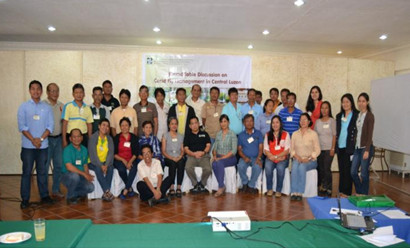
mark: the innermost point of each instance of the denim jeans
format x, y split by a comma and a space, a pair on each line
127, 178
298, 175
361, 184
104, 180
55, 154
280, 173
28, 157
256, 171
76, 185
219, 168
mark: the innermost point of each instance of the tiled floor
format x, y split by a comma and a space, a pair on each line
190, 208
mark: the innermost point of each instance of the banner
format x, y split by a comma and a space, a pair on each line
171, 71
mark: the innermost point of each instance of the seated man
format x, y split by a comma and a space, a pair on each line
150, 186
197, 145
250, 148
76, 177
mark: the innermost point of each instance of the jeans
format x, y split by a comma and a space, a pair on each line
256, 171
298, 175
345, 179
104, 180
76, 185
127, 178
55, 153
175, 168
28, 157
280, 173
146, 193
219, 168
324, 164
361, 183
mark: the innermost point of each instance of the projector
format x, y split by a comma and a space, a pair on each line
233, 220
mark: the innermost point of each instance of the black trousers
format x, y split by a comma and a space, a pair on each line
176, 168
345, 179
146, 193
324, 164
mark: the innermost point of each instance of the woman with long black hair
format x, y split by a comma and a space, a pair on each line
314, 102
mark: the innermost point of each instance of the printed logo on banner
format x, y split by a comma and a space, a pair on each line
150, 60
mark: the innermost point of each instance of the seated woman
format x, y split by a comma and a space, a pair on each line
125, 158
101, 152
276, 149
305, 149
173, 151
224, 152
148, 137
150, 184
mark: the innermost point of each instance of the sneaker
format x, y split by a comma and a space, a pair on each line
278, 194
152, 201
72, 201
24, 204
47, 200
293, 197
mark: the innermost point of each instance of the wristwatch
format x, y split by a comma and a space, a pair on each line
276, 156
41, 139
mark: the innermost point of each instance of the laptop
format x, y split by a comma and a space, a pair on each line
355, 222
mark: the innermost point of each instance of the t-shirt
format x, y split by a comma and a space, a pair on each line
145, 113
250, 142
235, 117
325, 130
77, 158
102, 149
151, 172
173, 145
111, 104
196, 142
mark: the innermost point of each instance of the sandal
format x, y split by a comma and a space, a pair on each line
172, 192
179, 193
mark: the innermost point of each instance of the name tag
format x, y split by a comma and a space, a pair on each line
216, 114
127, 144
250, 112
268, 122
101, 148
289, 118
96, 117
174, 140
110, 108
81, 111
144, 110
174, 151
202, 136
277, 148
344, 119
78, 162
250, 140
36, 117
325, 126
180, 113
153, 175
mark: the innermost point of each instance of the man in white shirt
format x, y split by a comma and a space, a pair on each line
151, 187
196, 102
162, 109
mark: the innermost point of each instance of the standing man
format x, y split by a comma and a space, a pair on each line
99, 111
211, 111
290, 115
77, 114
250, 149
251, 107
233, 110
55, 145
258, 97
274, 95
196, 102
162, 109
35, 122
124, 111
146, 111
182, 112
109, 100
283, 97
197, 145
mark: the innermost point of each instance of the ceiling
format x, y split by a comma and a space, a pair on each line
319, 26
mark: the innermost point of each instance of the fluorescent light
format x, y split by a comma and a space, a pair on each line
250, 46
159, 42
339, 52
265, 32
383, 36
156, 29
299, 3
51, 28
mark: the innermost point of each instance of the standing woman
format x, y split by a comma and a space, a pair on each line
276, 149
314, 103
125, 156
326, 130
345, 138
364, 145
173, 150
224, 152
263, 121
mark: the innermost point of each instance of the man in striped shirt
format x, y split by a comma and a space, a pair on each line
290, 115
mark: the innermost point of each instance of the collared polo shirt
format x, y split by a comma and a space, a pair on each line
212, 113
255, 110
77, 116
250, 142
263, 123
145, 113
290, 120
196, 142
119, 113
77, 158
57, 110
111, 104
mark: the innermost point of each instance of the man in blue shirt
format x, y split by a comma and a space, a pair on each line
35, 122
250, 147
290, 115
233, 111
251, 107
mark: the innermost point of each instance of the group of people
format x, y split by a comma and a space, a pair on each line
211, 135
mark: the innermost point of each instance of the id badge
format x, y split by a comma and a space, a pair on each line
250, 140
174, 140
250, 112
36, 117
144, 110
277, 148
268, 121
101, 148
78, 162
326, 126
216, 114
289, 118
96, 117
127, 144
